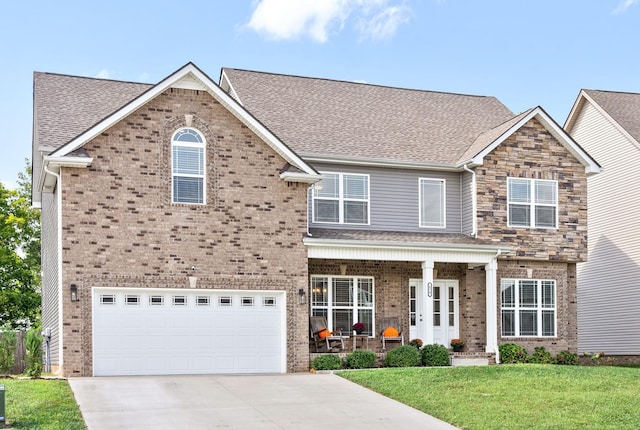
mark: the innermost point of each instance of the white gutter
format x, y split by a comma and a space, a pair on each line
474, 201
59, 261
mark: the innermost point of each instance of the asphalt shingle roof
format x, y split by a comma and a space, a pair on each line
394, 237
65, 106
347, 119
624, 108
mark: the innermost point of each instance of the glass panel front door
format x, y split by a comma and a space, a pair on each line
445, 312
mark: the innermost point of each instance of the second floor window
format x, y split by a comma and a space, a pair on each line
532, 203
341, 198
187, 161
432, 203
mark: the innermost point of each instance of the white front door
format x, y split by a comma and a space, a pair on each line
445, 311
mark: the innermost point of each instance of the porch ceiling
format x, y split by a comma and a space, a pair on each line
400, 246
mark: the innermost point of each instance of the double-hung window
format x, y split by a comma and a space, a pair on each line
187, 161
432, 203
341, 198
532, 203
344, 301
528, 307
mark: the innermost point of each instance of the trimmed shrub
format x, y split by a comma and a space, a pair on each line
541, 356
512, 353
361, 360
33, 358
567, 358
327, 362
435, 355
403, 356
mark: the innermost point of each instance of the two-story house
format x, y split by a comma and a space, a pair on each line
194, 227
607, 124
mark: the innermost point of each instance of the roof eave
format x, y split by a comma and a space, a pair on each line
353, 243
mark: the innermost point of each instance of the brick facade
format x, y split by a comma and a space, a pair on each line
120, 228
392, 296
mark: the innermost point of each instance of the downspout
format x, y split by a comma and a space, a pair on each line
59, 261
497, 350
474, 201
309, 203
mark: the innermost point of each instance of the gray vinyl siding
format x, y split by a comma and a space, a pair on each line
394, 199
50, 268
466, 202
608, 293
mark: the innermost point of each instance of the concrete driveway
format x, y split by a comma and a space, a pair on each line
291, 401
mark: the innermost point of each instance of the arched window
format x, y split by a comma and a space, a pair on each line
188, 161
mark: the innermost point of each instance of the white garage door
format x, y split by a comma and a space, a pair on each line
165, 332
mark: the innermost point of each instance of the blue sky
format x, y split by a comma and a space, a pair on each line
524, 53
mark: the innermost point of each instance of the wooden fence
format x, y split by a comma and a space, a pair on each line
21, 351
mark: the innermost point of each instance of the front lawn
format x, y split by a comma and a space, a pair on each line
41, 404
521, 396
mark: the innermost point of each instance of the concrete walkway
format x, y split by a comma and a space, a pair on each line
291, 401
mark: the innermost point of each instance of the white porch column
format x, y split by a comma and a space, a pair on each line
427, 301
492, 305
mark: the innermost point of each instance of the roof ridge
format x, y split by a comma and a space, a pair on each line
612, 91
66, 75
358, 83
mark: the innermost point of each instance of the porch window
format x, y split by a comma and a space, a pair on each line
532, 203
528, 307
187, 161
341, 198
432, 203
344, 301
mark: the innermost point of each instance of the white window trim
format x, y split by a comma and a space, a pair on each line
341, 199
444, 203
532, 204
329, 306
538, 309
202, 145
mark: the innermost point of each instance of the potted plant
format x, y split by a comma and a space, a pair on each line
359, 327
457, 345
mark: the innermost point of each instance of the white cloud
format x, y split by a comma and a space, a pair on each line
623, 6
317, 19
384, 24
103, 74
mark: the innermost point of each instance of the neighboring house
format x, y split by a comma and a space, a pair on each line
191, 227
607, 124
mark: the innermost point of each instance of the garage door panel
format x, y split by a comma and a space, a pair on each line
213, 332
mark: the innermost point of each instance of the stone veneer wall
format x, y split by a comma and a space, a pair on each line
120, 228
532, 152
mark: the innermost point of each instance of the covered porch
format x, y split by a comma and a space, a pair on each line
438, 290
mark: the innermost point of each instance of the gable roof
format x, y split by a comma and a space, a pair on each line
328, 119
488, 141
622, 108
338, 121
94, 105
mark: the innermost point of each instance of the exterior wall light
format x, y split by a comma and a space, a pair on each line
302, 296
73, 289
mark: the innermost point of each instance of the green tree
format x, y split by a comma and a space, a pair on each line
19, 254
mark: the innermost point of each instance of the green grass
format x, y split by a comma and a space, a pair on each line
41, 404
517, 396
